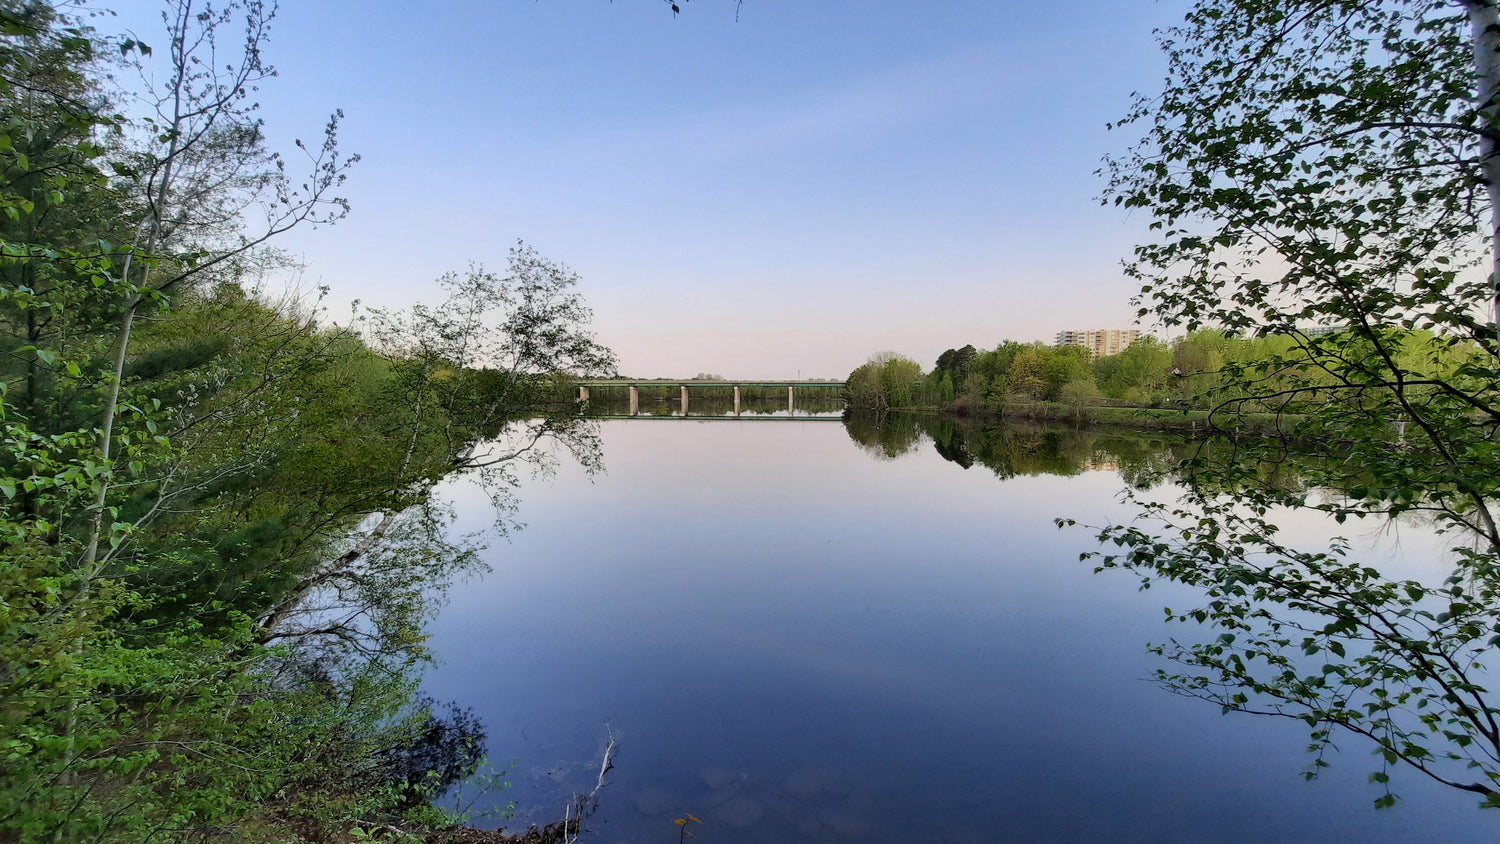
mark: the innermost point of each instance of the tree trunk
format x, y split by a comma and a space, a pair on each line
1484, 19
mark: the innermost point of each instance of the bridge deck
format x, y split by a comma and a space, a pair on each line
688, 382
749, 417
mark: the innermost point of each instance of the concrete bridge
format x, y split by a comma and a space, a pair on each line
635, 392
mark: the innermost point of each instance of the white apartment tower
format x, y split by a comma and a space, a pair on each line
1101, 342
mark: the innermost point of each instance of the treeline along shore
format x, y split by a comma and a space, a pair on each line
1195, 384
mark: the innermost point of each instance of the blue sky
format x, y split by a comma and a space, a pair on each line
778, 193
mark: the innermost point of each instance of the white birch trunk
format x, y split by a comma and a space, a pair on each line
1484, 20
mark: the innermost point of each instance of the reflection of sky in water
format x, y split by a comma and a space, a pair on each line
796, 642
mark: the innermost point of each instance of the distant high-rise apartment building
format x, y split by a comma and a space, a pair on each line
1101, 342
1320, 330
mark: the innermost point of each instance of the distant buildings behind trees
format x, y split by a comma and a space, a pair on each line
1102, 342
1324, 330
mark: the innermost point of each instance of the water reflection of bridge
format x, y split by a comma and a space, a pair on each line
635, 386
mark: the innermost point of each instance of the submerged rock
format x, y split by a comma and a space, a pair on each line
740, 812
721, 795
717, 778
657, 802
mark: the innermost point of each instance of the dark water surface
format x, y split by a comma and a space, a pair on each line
797, 637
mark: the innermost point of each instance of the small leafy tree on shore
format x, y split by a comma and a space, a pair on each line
887, 381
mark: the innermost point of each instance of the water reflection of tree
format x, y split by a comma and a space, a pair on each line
884, 436
949, 440
1020, 449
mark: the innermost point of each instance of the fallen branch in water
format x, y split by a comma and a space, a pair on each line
565, 831
586, 804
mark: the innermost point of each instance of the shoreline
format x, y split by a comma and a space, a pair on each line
1183, 421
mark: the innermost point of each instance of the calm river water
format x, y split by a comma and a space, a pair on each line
798, 636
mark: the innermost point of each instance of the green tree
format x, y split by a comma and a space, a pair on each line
950, 373
1064, 365
1138, 374
1325, 163
1079, 394
901, 379
944, 387
989, 373
1197, 359
886, 381
199, 165
473, 386
956, 362
1027, 371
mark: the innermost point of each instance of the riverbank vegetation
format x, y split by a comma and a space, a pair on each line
218, 537
1196, 383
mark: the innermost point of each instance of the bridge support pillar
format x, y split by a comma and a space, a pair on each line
635, 400
736, 400
789, 400
684, 399
583, 394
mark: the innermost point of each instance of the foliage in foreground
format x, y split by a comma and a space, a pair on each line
1317, 163
218, 543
